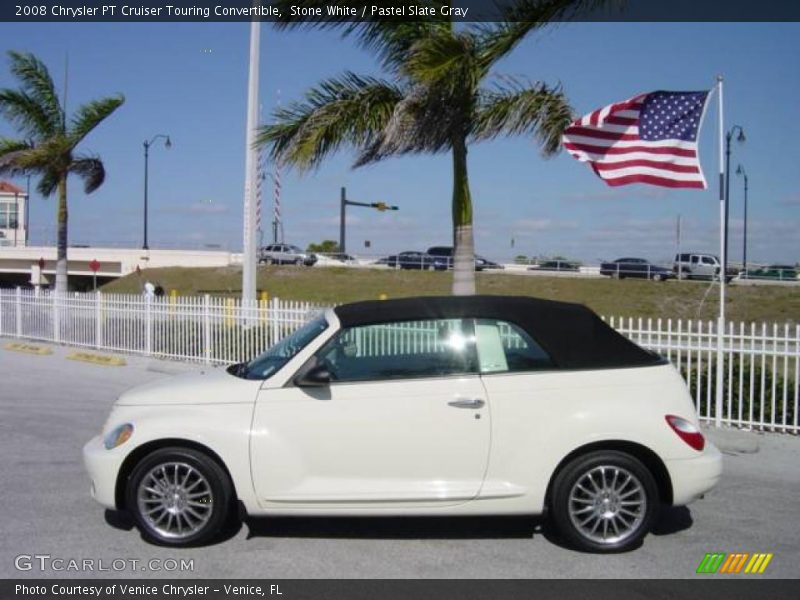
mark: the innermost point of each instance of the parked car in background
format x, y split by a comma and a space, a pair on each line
414, 260
700, 266
779, 272
285, 254
444, 256
635, 268
465, 405
555, 265
335, 258
482, 264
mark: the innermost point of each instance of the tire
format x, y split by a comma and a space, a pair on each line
572, 492
178, 524
659, 277
269, 261
298, 262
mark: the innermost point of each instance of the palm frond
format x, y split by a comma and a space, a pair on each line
19, 157
521, 17
37, 83
519, 109
390, 38
26, 114
346, 110
91, 170
444, 59
48, 183
10, 146
424, 121
91, 114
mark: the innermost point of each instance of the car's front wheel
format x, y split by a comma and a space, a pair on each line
604, 502
179, 497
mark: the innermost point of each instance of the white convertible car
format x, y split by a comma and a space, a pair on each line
420, 406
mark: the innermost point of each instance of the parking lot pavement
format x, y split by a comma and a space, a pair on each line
50, 406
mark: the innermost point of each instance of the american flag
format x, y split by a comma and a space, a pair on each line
650, 138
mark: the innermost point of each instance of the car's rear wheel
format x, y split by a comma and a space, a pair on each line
659, 277
604, 502
179, 497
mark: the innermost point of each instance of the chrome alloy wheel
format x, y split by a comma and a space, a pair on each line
607, 504
175, 500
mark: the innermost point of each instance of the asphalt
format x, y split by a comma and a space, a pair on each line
50, 406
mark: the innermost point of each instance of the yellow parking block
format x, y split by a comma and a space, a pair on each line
98, 359
28, 348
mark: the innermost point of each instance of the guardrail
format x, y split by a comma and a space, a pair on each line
761, 381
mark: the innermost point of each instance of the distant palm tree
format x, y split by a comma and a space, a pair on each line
436, 99
48, 140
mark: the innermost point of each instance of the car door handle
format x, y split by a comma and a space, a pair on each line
467, 403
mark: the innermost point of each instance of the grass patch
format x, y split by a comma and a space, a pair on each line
629, 298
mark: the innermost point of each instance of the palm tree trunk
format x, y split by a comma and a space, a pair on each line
463, 242
61, 263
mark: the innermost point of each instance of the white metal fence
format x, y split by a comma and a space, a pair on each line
201, 328
761, 367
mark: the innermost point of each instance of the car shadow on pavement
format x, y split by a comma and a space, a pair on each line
396, 527
672, 520
123, 521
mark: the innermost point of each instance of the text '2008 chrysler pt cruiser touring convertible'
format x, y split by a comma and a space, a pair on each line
420, 406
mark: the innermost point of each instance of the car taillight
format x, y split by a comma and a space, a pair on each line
687, 432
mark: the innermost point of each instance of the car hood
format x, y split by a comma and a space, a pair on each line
211, 386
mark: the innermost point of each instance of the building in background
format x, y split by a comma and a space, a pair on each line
13, 228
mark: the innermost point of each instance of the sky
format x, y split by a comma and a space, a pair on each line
189, 80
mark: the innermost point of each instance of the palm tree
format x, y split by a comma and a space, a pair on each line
47, 147
441, 94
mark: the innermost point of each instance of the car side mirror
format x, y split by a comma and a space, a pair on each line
316, 376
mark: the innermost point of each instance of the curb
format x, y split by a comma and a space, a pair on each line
98, 359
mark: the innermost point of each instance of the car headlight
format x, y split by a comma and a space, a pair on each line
118, 436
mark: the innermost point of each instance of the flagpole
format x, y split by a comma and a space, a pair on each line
723, 262
251, 168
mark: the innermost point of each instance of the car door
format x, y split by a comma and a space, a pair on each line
404, 422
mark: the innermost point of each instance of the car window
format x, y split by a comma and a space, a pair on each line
708, 261
504, 347
266, 364
402, 350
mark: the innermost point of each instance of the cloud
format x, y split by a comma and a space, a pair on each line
616, 194
790, 200
538, 225
203, 207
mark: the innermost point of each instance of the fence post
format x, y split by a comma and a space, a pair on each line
56, 317
98, 306
19, 311
207, 328
1, 311
148, 326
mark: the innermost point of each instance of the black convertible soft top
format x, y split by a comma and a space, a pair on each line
573, 335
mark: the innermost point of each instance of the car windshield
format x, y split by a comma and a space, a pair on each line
266, 364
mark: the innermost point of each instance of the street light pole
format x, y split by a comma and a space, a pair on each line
146, 144
728, 137
740, 171
27, 210
342, 218
344, 202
